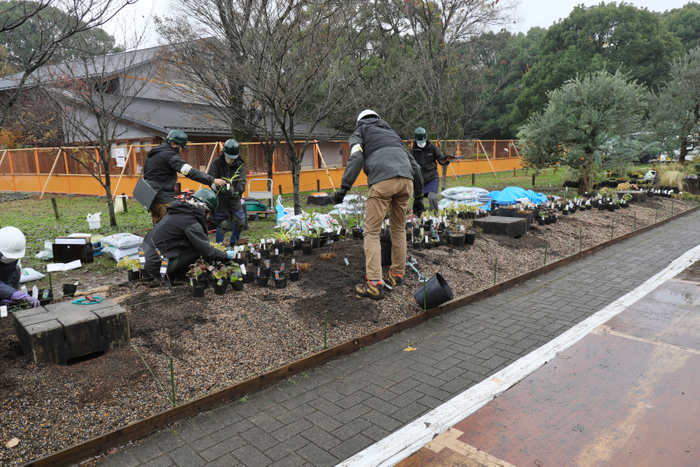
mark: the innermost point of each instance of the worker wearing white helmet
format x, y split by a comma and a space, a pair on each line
12, 244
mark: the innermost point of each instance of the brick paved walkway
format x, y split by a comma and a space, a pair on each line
341, 408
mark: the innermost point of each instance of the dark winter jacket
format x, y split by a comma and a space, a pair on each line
183, 230
428, 157
161, 168
220, 169
9, 279
379, 151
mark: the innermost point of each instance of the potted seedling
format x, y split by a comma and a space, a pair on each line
295, 272
261, 278
221, 276
198, 274
132, 266
236, 277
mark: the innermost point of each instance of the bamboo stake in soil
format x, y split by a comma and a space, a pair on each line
495, 269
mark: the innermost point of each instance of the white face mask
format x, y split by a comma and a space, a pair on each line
421, 145
6, 260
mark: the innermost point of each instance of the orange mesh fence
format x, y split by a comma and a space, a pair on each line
21, 164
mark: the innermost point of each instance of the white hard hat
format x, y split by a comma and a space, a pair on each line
366, 113
12, 242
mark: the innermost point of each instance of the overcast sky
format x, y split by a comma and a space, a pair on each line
541, 13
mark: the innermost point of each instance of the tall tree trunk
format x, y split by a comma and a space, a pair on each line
107, 185
296, 171
684, 149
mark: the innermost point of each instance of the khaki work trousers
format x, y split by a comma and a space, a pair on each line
388, 195
157, 212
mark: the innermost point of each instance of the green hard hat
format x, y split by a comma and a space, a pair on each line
232, 149
420, 135
178, 137
208, 197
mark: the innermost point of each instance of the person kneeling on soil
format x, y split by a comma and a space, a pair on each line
391, 175
229, 215
12, 245
181, 238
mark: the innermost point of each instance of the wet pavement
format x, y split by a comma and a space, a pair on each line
626, 394
594, 363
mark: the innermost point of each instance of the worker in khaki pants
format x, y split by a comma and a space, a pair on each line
392, 174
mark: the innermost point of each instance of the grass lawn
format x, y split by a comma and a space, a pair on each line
35, 217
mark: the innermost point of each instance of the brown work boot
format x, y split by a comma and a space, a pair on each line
370, 289
393, 280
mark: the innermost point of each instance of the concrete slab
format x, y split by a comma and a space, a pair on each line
512, 226
63, 331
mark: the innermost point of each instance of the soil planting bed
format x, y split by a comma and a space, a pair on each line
216, 341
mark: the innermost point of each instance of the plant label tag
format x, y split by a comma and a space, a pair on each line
282, 267
267, 264
164, 266
35, 292
220, 282
258, 254
3, 311
262, 241
228, 186
258, 272
142, 256
338, 231
243, 269
191, 281
235, 250
347, 263
277, 275
277, 252
426, 239
294, 260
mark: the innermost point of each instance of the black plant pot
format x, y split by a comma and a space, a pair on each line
220, 287
262, 280
69, 289
274, 257
294, 276
469, 238
307, 250
266, 271
540, 221
198, 290
457, 240
428, 245
565, 212
237, 286
356, 233
45, 296
281, 283
265, 254
548, 221
553, 219
240, 261
297, 244
133, 275
611, 208
417, 245
249, 277
316, 242
256, 262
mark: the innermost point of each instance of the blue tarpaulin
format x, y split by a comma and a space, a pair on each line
511, 194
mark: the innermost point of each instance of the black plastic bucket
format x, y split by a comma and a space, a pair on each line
386, 253
434, 293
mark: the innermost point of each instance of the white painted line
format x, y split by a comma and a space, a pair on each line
415, 435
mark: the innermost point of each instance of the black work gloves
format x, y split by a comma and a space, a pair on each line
339, 195
418, 206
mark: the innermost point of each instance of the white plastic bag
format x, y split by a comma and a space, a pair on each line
29, 274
